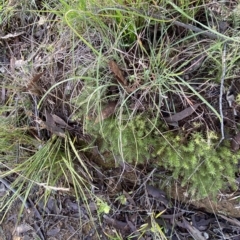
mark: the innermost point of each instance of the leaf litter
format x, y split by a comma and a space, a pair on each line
183, 114
108, 111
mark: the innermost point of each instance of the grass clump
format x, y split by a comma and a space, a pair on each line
129, 139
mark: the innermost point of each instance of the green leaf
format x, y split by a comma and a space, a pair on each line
103, 207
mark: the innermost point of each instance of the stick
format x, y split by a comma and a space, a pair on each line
221, 90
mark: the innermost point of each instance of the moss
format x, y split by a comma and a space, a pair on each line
199, 163
128, 139
195, 160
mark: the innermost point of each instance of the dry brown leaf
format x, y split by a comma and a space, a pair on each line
183, 114
116, 223
117, 72
33, 87
107, 111
51, 126
60, 121
157, 194
37, 77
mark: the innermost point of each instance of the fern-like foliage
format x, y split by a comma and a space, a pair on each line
129, 139
199, 163
195, 161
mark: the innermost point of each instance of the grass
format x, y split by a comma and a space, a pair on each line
152, 52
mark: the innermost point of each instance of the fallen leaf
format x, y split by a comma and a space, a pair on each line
107, 111
116, 223
183, 114
53, 206
117, 72
60, 121
196, 234
70, 205
33, 86
22, 228
157, 194
37, 77
51, 126
53, 231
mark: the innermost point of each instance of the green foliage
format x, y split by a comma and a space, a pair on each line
153, 226
51, 166
236, 16
12, 137
126, 139
195, 159
190, 8
103, 207
128, 26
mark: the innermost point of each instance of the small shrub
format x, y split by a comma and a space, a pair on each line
194, 160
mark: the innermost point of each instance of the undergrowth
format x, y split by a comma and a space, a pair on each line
140, 138
195, 159
159, 61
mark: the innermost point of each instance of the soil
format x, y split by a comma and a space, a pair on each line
225, 204
62, 217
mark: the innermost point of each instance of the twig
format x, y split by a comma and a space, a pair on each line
39, 216
221, 90
198, 30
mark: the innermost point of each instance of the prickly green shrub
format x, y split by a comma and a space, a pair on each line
194, 160
128, 139
199, 163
